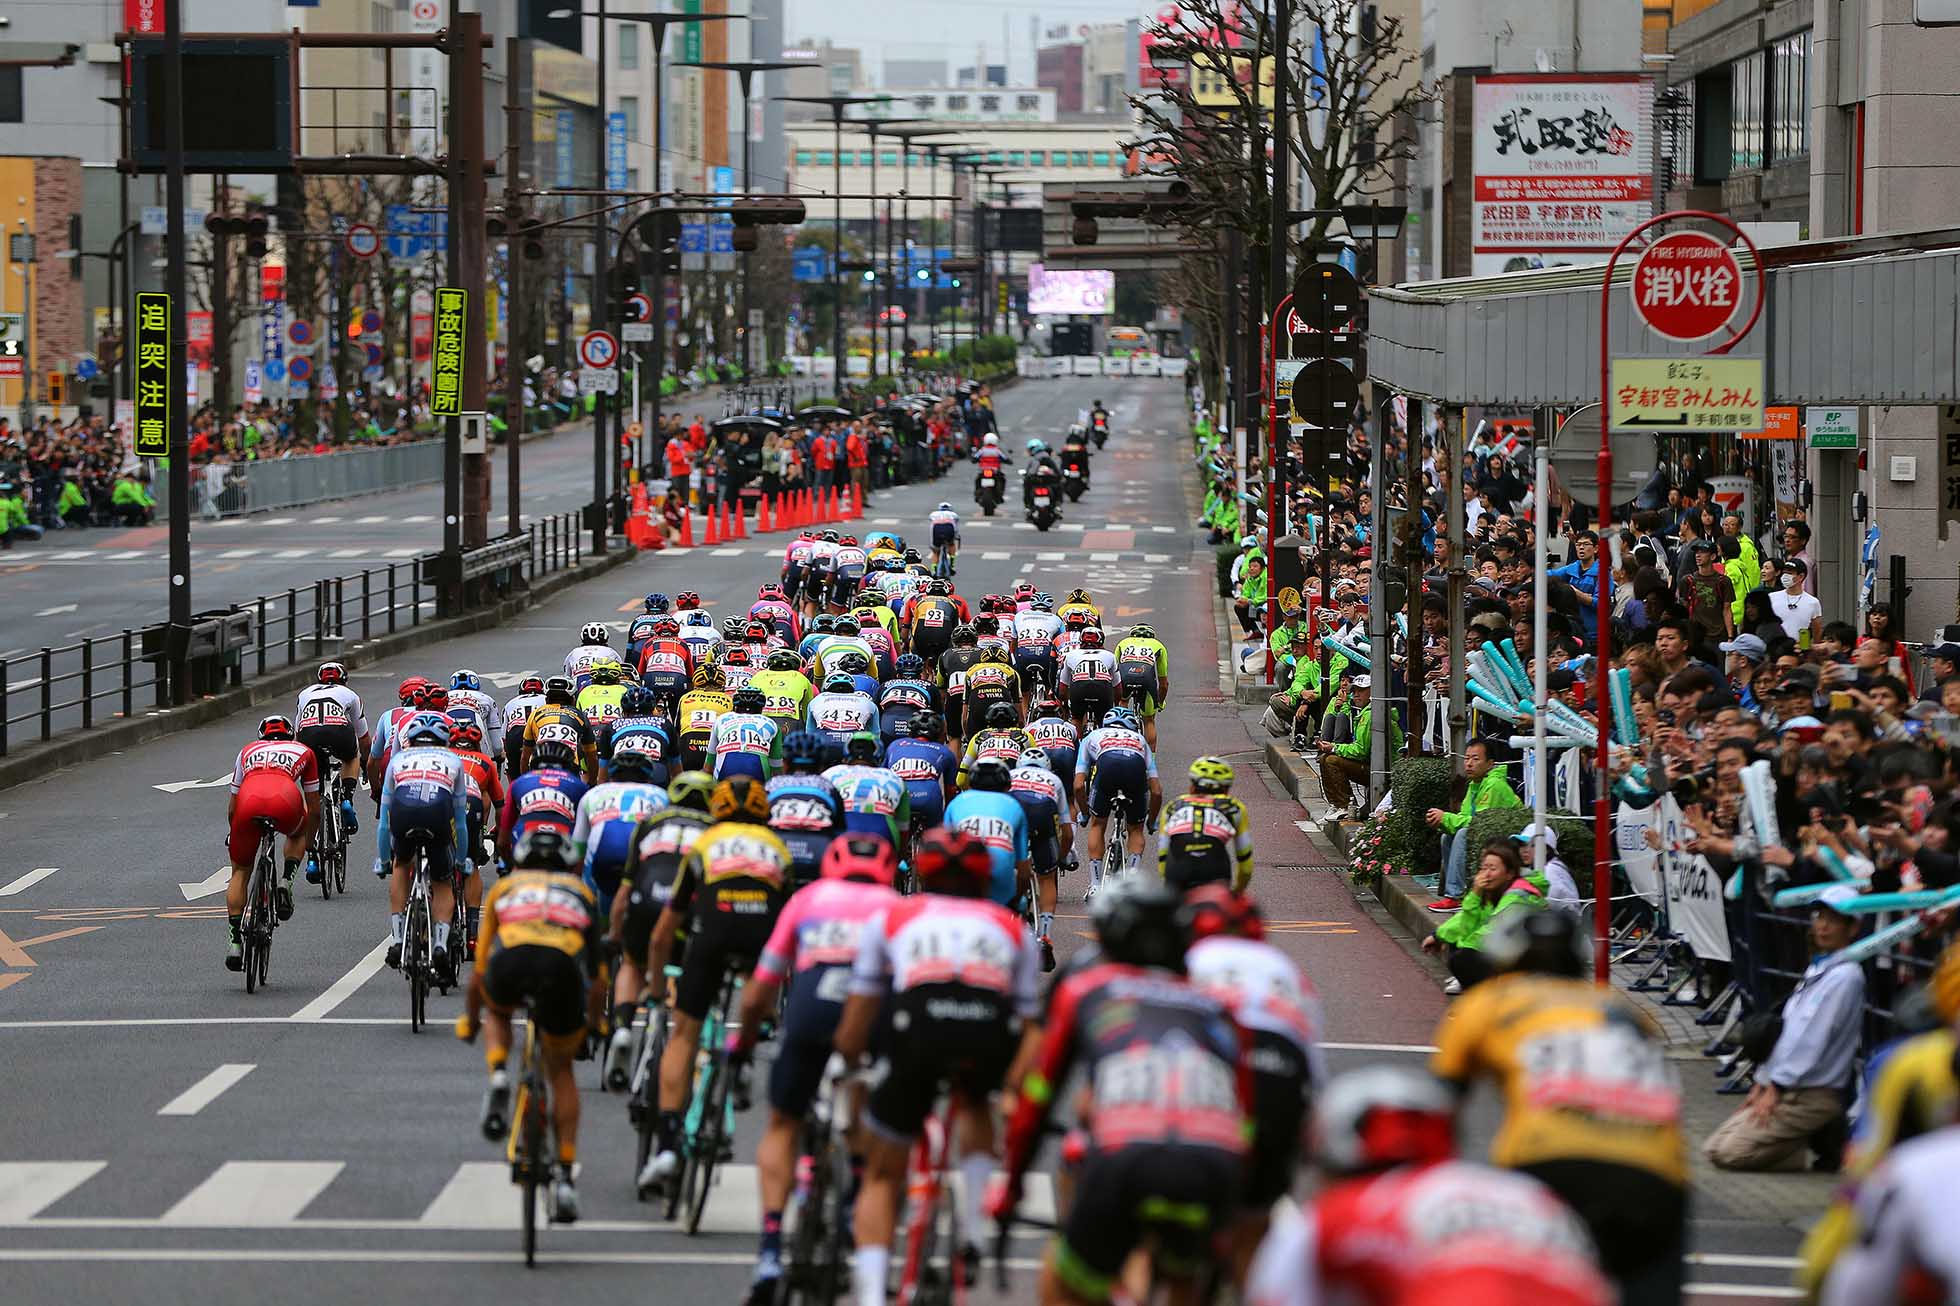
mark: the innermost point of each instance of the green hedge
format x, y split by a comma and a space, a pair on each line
1419, 783
1575, 837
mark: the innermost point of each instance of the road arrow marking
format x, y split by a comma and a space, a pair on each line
55, 612
213, 883
27, 881
178, 786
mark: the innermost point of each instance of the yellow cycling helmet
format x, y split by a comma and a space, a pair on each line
739, 798
1211, 775
691, 789
606, 673
1079, 596
709, 676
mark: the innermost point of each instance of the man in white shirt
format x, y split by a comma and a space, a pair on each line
1799, 611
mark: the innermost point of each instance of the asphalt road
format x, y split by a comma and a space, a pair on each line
173, 1138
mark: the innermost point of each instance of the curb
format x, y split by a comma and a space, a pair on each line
44, 759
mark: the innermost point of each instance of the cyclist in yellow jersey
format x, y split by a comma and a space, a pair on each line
601, 700
559, 718
785, 689
540, 940
1143, 663
695, 717
1207, 837
1080, 600
1592, 1106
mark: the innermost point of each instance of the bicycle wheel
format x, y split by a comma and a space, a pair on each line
416, 962
339, 872
805, 1218
704, 1150
325, 840
645, 1105
267, 923
533, 1162
833, 1269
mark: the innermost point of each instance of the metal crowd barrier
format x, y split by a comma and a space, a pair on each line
259, 486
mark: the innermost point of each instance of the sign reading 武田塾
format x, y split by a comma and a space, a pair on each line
446, 367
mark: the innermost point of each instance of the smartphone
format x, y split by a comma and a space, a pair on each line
1839, 700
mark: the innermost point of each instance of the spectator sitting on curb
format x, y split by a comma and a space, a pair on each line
1343, 765
1803, 1087
1561, 890
1250, 601
1486, 789
1503, 883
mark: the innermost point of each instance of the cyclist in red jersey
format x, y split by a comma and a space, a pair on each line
1403, 1223
275, 779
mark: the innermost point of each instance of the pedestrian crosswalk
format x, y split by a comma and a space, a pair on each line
259, 1194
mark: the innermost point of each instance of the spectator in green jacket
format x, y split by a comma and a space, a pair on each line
1503, 883
13, 517
1284, 635
1485, 789
1250, 601
1342, 765
132, 502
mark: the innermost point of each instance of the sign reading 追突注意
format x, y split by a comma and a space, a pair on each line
1682, 396
446, 366
151, 356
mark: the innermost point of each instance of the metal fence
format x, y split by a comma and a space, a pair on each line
231, 489
62, 688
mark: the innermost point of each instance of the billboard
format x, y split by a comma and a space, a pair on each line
1083, 291
1563, 164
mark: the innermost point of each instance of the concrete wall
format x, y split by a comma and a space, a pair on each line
1507, 35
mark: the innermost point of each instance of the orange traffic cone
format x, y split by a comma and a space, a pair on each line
762, 526
857, 501
727, 527
738, 513
710, 535
687, 528
836, 505
806, 513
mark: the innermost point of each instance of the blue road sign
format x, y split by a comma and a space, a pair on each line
721, 236
410, 234
809, 263
86, 369
275, 369
694, 237
616, 151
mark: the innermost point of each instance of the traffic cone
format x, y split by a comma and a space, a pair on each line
711, 535
687, 529
836, 504
727, 529
857, 501
739, 514
804, 513
762, 526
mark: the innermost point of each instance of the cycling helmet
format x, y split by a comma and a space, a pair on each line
331, 673
863, 857
691, 789
739, 798
631, 760
993, 653
863, 747
1142, 631
1382, 1116
747, 699
839, 682
867, 618
593, 632
953, 862
1120, 716
1043, 601
986, 623
1023, 591
830, 537
1538, 942
276, 727
736, 655
1211, 775
657, 603
1076, 620
769, 589
1035, 447
554, 752
435, 698
990, 440
912, 555
909, 666
944, 506
466, 680
531, 685
852, 663
1079, 595
849, 541
989, 773
544, 849
607, 673
410, 689
708, 676
464, 732
783, 659
939, 587
1046, 705
1002, 716
755, 630
687, 601
1034, 757
803, 750
734, 627
666, 628
925, 724
1092, 637
638, 700
1214, 909
427, 728
1136, 922
558, 689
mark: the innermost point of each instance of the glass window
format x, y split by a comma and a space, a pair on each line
1079, 158
888, 158
924, 103
956, 103
1028, 103
1038, 158
1060, 160
1746, 101
803, 158
995, 156
11, 107
629, 44
1102, 158
1789, 134
629, 106
1016, 158
632, 179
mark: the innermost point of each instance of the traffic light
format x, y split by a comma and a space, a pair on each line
256, 228
770, 211
659, 230
1326, 392
253, 226
57, 388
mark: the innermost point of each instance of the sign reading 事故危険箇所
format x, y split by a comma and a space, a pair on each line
151, 438
446, 373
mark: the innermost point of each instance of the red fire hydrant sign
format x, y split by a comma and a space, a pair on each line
1686, 285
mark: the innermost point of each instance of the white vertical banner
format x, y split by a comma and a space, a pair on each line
425, 68
1694, 891
1631, 826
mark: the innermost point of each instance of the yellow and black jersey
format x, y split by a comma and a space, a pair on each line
1207, 838
539, 908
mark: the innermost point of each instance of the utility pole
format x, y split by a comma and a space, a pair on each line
467, 237
516, 264
601, 316
171, 93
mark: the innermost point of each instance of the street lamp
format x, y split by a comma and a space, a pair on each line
905, 137
1374, 223
601, 262
872, 127
745, 71
115, 260
836, 104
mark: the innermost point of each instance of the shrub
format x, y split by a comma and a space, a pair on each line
1419, 783
1224, 557
1575, 837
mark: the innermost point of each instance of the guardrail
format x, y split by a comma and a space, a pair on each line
269, 483
66, 687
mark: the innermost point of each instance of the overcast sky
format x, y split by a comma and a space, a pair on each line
952, 30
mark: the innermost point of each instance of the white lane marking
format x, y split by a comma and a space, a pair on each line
178, 786
323, 521
728, 553
29, 1187
1050, 557
344, 987
206, 1090
1165, 530
292, 553
369, 521
1738, 1261
477, 1196
1104, 557
1070, 526
145, 1022
215, 882
1156, 557
419, 517
127, 554
277, 521
25, 882
401, 553
884, 521
998, 555
253, 1194
72, 555
403, 1256
1416, 1049
346, 553
238, 553
1778, 1292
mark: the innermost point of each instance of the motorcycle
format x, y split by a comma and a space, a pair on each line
987, 492
1043, 512
1099, 428
1073, 481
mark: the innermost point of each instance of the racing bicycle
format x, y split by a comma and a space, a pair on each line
330, 838
708, 1133
530, 1148
934, 1274
643, 1086
255, 930
816, 1260
418, 934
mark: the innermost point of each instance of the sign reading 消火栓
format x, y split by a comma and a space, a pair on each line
151, 438
446, 368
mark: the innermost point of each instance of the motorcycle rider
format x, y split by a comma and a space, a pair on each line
990, 456
1042, 470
